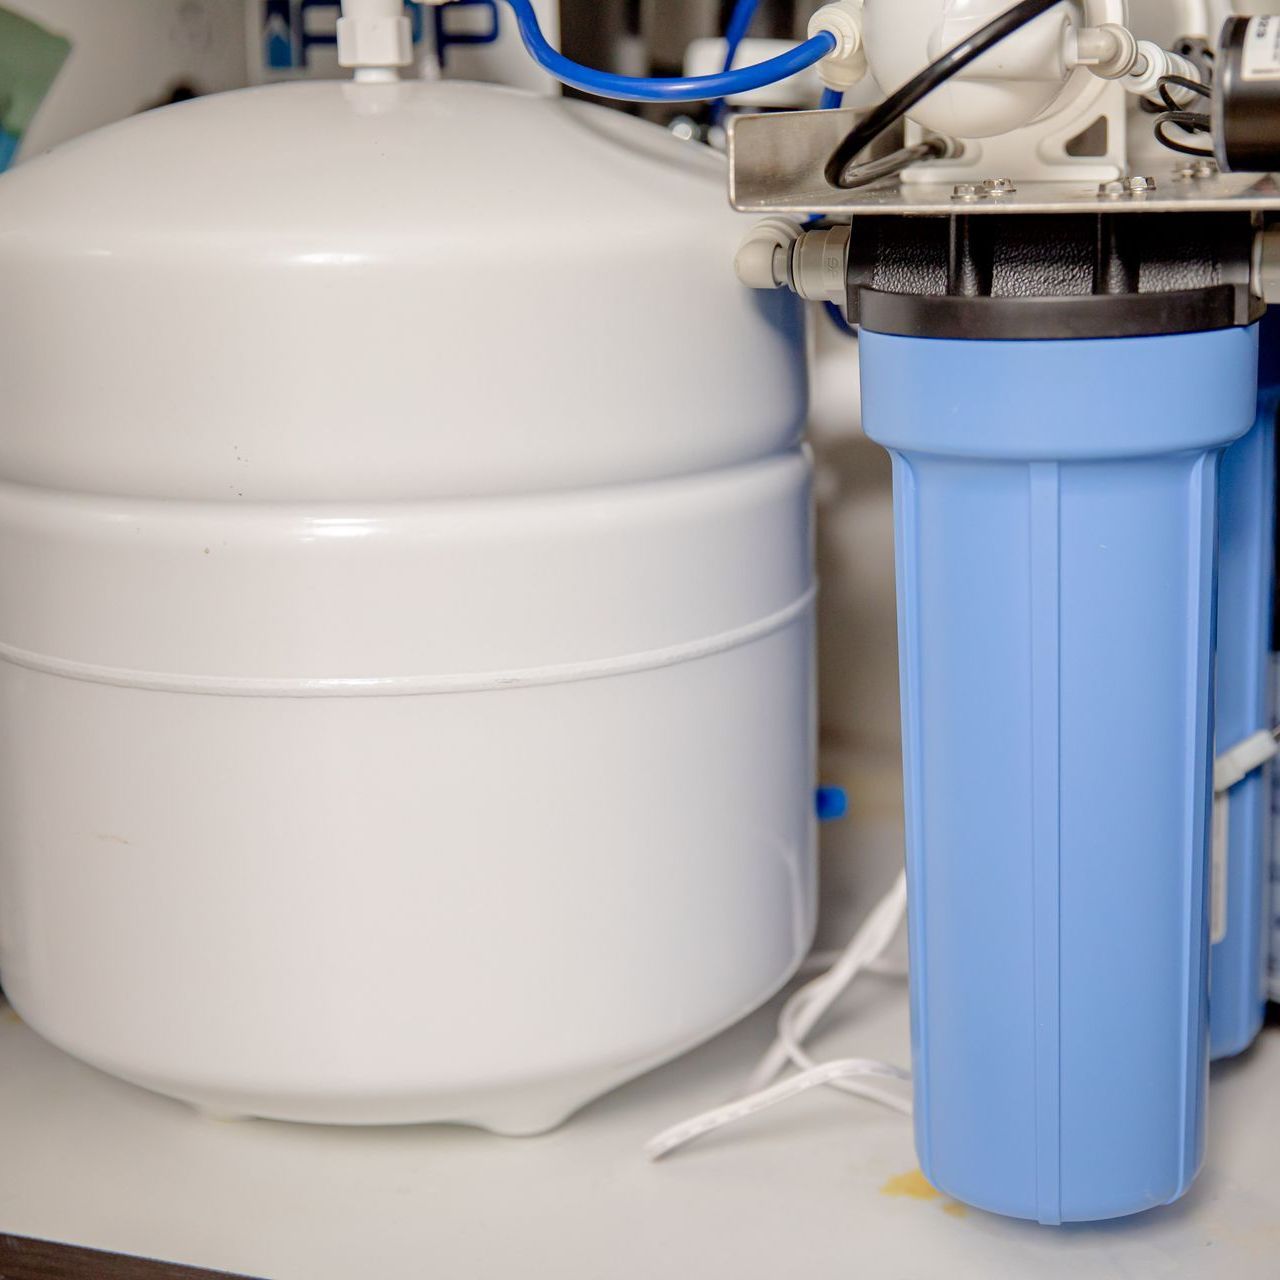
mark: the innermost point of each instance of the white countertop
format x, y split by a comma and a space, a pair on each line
795, 1194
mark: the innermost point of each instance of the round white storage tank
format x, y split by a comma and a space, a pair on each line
405, 605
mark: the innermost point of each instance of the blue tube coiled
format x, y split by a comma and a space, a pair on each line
606, 84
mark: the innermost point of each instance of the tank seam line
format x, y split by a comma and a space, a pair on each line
412, 686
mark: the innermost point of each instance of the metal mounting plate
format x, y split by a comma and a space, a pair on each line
776, 163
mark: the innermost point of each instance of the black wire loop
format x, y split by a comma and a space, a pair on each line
950, 64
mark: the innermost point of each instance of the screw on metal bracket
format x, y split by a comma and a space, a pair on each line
967, 191
999, 187
1120, 188
1194, 169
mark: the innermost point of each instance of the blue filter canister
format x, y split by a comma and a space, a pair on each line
1056, 524
1240, 897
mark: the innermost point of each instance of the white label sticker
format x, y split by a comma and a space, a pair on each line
1218, 880
1262, 49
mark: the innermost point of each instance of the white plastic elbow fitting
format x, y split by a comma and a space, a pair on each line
764, 257
1153, 64
374, 35
846, 65
1109, 51
779, 253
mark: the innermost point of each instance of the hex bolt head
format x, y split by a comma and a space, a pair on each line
1114, 189
1140, 186
999, 186
967, 191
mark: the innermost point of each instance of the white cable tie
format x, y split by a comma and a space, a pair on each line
798, 1016
1233, 766
808, 1005
828, 1073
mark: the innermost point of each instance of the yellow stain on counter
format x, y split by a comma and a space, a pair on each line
915, 1186
911, 1186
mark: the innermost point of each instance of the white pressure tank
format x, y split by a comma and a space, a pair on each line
405, 605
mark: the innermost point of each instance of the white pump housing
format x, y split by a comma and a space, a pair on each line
1011, 86
1018, 108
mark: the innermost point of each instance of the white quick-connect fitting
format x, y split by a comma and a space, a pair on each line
375, 37
1113, 52
1109, 51
764, 257
779, 253
846, 65
1153, 64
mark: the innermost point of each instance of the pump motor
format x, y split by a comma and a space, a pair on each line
1246, 101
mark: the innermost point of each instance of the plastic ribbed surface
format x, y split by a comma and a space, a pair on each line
1245, 585
1056, 524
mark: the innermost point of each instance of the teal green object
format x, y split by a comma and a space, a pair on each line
30, 59
1056, 527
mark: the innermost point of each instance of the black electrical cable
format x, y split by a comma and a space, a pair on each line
898, 104
1180, 82
1176, 113
869, 171
1192, 123
1204, 63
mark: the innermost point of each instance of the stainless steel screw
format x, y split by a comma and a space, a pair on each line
1196, 169
967, 191
999, 186
1139, 186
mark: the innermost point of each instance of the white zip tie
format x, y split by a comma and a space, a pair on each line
805, 1009
1237, 764
829, 1073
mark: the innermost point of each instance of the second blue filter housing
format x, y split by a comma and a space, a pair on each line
1241, 897
1056, 509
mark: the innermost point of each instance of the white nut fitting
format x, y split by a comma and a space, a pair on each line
820, 264
846, 65
764, 257
1109, 51
1153, 64
374, 34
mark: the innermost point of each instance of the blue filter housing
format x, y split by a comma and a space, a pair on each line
1056, 512
1241, 897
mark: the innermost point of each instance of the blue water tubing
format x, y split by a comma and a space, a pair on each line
606, 84
1056, 543
1240, 909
